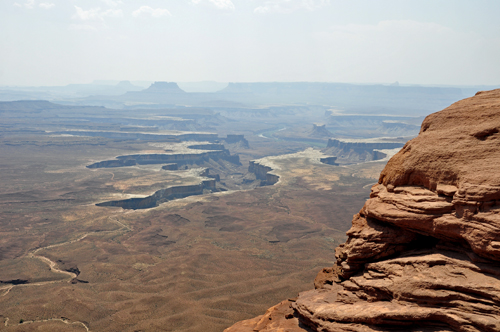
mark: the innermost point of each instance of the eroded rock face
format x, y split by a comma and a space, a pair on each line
423, 254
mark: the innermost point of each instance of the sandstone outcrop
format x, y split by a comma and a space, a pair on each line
423, 254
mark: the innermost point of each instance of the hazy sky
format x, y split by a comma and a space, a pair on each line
56, 42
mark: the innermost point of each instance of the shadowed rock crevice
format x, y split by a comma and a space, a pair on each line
14, 281
329, 161
486, 133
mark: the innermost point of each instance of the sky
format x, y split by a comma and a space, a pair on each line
59, 42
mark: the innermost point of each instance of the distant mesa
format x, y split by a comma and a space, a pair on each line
237, 139
360, 150
204, 86
319, 130
164, 87
126, 85
164, 93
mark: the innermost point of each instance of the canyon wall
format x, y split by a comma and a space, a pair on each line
262, 173
164, 158
164, 195
423, 254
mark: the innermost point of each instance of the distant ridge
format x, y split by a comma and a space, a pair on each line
28, 105
350, 98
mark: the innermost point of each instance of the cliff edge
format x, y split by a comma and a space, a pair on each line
423, 254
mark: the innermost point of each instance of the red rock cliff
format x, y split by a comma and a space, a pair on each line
423, 254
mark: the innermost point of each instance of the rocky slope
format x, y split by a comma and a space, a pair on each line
423, 254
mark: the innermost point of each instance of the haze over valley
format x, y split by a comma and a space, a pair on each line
150, 214
194, 165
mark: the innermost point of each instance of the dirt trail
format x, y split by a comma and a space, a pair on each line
62, 319
7, 290
52, 264
53, 267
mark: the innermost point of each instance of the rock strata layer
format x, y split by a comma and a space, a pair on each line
423, 254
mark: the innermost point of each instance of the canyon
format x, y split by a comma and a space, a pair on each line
190, 218
422, 254
113, 220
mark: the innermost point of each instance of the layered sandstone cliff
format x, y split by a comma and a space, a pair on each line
423, 254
